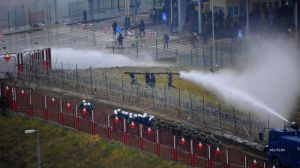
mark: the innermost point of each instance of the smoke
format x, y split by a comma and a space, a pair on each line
267, 84
69, 57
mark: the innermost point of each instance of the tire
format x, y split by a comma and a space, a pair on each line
276, 163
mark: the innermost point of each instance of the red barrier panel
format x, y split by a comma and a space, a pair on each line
161, 142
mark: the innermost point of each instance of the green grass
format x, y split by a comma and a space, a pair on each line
62, 147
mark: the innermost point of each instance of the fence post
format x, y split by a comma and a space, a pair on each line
174, 148
203, 103
179, 95
77, 89
203, 58
245, 162
165, 95
197, 58
191, 57
157, 143
8, 21
220, 115
156, 51
192, 154
227, 159
209, 161
61, 113
250, 125
123, 96
91, 80
108, 127
211, 57
124, 131
93, 130
141, 137
14, 99
191, 103
137, 50
62, 75
76, 118
45, 108
177, 57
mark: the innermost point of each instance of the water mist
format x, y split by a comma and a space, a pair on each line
268, 84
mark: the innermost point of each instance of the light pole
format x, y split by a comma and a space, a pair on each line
38, 145
213, 27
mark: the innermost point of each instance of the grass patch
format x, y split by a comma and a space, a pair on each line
62, 147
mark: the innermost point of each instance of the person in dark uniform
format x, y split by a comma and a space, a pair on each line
153, 80
133, 79
120, 40
142, 28
114, 27
166, 40
170, 79
147, 78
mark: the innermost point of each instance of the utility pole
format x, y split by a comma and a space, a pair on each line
247, 17
296, 20
199, 17
213, 26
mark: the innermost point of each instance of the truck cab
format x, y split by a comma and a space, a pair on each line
284, 147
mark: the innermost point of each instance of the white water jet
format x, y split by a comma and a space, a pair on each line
268, 83
96, 59
236, 97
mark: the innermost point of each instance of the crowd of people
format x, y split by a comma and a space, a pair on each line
145, 119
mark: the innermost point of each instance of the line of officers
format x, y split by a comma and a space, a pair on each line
145, 119
150, 79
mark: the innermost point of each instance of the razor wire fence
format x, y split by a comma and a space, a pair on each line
63, 110
169, 102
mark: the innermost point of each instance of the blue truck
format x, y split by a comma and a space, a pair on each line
284, 147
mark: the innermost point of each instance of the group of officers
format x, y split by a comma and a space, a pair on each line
150, 79
145, 119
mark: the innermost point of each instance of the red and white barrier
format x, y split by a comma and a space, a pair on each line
108, 127
93, 129
124, 131
227, 159
192, 153
209, 160
76, 118
61, 118
174, 148
141, 143
46, 115
30, 106
157, 142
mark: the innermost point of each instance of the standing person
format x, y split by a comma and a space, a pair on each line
193, 40
153, 80
120, 40
170, 79
114, 27
147, 78
142, 28
166, 40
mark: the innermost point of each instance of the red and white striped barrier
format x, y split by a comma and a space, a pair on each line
93, 128
153, 34
124, 131
141, 143
61, 118
174, 148
46, 115
108, 128
157, 142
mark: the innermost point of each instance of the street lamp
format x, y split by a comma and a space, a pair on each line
38, 145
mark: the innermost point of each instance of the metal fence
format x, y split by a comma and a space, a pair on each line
170, 102
63, 110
